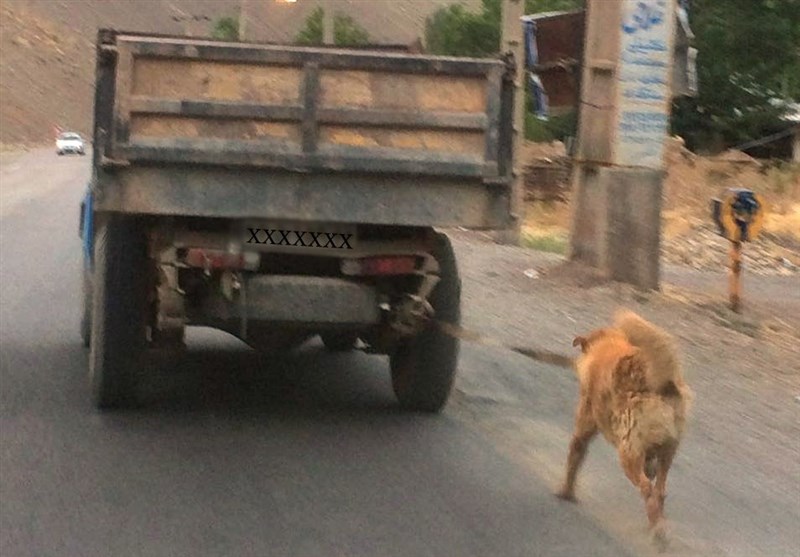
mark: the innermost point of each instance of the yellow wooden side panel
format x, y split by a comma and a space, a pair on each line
173, 79
443, 141
216, 81
388, 91
165, 126
436, 93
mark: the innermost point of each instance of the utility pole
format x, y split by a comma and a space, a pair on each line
625, 104
243, 13
512, 42
328, 16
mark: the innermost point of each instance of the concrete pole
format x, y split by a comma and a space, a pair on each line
626, 97
329, 14
243, 15
512, 41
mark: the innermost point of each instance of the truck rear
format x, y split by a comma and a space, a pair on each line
278, 193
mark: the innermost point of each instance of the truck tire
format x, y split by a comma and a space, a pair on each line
339, 342
118, 312
424, 366
86, 316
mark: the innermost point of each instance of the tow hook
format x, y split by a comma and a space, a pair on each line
409, 316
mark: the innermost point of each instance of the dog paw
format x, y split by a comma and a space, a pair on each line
566, 495
660, 540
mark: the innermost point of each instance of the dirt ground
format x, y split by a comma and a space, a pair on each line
566, 298
744, 371
689, 236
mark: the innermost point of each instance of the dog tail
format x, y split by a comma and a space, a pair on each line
664, 374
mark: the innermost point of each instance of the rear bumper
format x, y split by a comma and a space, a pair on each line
187, 191
301, 300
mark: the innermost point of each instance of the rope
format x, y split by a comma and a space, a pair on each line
545, 356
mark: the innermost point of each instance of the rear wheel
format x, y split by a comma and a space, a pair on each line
118, 311
424, 366
86, 317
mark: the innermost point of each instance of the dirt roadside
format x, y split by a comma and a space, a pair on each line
16, 189
744, 371
532, 299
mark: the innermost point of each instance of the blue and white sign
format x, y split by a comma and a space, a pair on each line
643, 88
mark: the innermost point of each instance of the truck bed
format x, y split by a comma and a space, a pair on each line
208, 128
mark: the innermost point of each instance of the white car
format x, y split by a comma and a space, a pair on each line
69, 142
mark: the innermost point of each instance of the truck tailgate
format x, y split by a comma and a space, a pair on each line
196, 101
314, 133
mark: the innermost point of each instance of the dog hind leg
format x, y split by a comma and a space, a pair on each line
651, 467
585, 430
633, 463
664, 462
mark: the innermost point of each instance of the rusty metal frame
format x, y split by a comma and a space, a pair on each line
273, 153
285, 55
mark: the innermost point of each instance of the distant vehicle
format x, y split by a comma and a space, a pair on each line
69, 142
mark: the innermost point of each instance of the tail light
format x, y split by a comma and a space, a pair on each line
219, 259
372, 266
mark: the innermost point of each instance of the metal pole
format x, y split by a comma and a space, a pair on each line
735, 276
512, 41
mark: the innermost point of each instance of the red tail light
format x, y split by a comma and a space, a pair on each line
392, 265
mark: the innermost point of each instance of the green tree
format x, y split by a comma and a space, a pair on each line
346, 31
226, 29
748, 62
455, 31
749, 57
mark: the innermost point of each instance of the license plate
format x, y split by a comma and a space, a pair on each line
309, 238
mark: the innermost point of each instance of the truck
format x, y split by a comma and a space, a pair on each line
281, 192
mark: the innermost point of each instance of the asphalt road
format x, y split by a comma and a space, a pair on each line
309, 457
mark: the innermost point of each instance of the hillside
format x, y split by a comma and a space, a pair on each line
47, 55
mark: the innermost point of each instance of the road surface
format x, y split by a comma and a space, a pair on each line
309, 456
226, 460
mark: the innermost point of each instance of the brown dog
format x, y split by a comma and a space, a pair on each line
632, 391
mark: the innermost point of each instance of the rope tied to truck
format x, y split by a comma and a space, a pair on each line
474, 337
